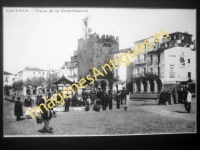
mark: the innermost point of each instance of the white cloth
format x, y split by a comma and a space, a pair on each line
189, 97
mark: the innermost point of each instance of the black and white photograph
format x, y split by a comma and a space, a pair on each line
95, 71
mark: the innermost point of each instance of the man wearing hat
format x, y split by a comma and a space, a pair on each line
46, 115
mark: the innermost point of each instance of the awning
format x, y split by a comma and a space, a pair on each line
63, 80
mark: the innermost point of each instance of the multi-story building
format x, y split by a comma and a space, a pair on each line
69, 69
30, 72
8, 78
169, 62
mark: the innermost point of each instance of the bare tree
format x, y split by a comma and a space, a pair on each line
35, 82
18, 86
50, 80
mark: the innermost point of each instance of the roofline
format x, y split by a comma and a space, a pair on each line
8, 73
169, 34
180, 32
33, 70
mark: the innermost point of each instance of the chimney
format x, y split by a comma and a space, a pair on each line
186, 32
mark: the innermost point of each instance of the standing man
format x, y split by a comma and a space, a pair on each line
174, 96
46, 115
184, 96
84, 96
169, 97
29, 102
160, 102
104, 100
123, 95
188, 101
109, 99
164, 97
48, 95
67, 103
118, 98
180, 96
18, 109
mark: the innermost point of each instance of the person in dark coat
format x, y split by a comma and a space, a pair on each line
109, 99
99, 94
84, 96
123, 95
91, 97
75, 100
104, 100
160, 102
46, 115
174, 96
18, 110
97, 105
48, 95
118, 98
180, 96
184, 93
28, 102
67, 103
164, 97
169, 97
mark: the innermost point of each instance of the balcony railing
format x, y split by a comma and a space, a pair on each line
141, 62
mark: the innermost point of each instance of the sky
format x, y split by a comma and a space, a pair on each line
41, 39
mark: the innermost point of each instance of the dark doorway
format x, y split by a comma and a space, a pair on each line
138, 85
159, 85
144, 82
151, 85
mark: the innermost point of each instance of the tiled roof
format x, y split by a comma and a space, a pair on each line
7, 73
179, 32
33, 69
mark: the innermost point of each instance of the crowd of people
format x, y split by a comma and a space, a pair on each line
180, 96
96, 99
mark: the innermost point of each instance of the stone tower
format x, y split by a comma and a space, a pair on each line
94, 51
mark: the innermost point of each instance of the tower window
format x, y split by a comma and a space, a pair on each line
188, 61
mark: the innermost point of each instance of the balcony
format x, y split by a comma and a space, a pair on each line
141, 62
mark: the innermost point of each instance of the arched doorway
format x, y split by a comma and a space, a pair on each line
144, 82
151, 85
34, 92
28, 92
159, 85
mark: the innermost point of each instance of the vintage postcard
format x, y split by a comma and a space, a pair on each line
90, 71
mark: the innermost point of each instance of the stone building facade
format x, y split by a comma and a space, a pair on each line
169, 62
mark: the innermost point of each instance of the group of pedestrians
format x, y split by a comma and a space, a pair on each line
97, 98
181, 96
